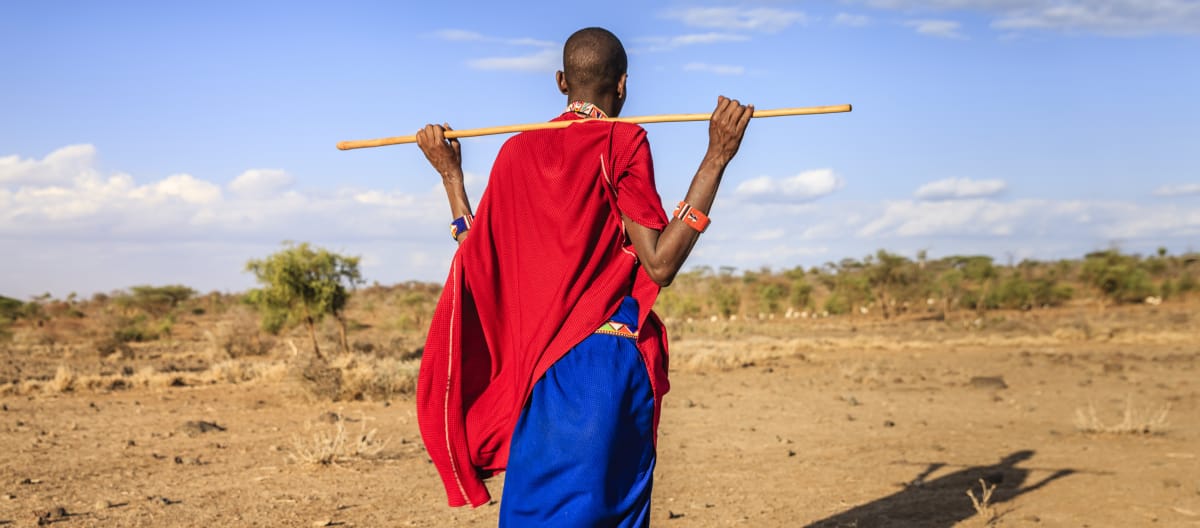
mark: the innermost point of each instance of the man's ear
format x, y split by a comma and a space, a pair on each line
621, 86
561, 79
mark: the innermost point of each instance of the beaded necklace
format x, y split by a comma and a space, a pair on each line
588, 109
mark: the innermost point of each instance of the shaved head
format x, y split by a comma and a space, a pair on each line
594, 59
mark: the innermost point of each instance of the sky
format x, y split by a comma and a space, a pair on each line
171, 142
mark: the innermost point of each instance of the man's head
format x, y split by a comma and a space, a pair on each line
594, 64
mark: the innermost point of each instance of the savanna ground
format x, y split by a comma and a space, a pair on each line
1079, 415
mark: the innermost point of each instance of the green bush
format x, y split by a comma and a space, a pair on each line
837, 304
1118, 277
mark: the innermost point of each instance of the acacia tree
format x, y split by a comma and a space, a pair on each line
302, 284
886, 272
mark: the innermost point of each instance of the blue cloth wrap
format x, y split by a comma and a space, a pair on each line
582, 453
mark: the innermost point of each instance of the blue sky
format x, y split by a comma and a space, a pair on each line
156, 142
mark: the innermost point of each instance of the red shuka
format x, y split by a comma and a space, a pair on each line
546, 262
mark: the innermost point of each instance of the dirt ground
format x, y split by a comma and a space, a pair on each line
846, 423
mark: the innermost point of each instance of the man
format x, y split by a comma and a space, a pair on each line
543, 357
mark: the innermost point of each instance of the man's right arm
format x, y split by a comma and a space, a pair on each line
446, 157
662, 253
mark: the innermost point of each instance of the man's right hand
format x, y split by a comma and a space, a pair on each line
444, 154
726, 128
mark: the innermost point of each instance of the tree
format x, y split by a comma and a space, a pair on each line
155, 300
302, 284
886, 272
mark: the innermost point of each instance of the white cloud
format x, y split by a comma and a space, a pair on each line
958, 218
260, 206
765, 19
719, 69
1105, 17
1032, 220
547, 60
1111, 17
653, 44
1182, 189
260, 182
957, 188
182, 187
807, 185
463, 35
851, 20
937, 28
459, 35
60, 166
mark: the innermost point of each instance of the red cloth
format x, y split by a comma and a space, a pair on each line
546, 262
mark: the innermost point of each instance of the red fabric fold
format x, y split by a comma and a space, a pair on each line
546, 262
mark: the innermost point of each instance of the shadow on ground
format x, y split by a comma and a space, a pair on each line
942, 502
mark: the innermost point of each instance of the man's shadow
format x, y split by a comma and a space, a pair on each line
942, 502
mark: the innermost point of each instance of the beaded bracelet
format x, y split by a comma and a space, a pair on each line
691, 216
461, 225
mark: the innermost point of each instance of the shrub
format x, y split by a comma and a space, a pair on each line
1117, 276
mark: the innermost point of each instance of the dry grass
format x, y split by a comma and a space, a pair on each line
983, 504
67, 380
1133, 420
368, 377
328, 447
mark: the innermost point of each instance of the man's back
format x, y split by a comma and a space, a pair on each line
543, 350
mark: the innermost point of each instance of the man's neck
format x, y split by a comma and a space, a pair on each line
606, 103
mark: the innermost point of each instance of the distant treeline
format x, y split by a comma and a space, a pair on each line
889, 284
884, 284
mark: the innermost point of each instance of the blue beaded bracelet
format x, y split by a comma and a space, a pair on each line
460, 225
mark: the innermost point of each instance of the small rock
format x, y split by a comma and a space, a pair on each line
889, 423
323, 522
10, 496
165, 501
53, 515
673, 515
791, 453
178, 460
193, 427
988, 382
102, 505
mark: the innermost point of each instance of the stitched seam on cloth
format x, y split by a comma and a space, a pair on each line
620, 221
449, 373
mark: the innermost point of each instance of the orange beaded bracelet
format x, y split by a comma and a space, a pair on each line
691, 216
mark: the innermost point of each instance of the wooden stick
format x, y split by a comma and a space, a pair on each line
510, 129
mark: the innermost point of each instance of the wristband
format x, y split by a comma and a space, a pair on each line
691, 216
461, 225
